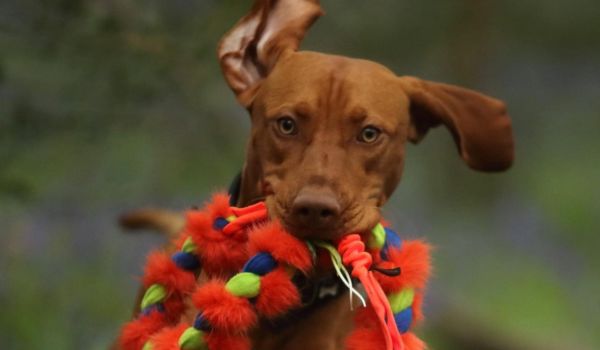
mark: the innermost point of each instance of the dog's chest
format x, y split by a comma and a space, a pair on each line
323, 328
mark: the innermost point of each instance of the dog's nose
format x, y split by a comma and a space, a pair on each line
316, 210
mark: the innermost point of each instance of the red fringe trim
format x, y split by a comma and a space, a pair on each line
168, 338
281, 245
219, 206
174, 307
221, 254
278, 294
413, 259
223, 310
162, 270
412, 342
201, 221
135, 333
223, 341
417, 308
367, 333
221, 259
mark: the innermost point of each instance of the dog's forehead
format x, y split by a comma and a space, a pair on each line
339, 82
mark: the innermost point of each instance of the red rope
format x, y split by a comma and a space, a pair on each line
246, 216
353, 253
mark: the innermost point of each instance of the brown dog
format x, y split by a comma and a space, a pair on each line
326, 148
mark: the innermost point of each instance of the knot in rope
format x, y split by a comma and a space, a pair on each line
353, 253
352, 249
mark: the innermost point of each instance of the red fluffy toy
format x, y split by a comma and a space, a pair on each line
250, 262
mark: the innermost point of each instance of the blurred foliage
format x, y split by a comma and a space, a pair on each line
115, 104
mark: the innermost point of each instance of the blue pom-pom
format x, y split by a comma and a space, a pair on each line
200, 323
261, 264
186, 261
391, 240
154, 307
404, 319
220, 223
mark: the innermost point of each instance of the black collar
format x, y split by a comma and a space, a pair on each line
315, 292
234, 189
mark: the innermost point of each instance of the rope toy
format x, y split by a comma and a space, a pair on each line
247, 264
353, 251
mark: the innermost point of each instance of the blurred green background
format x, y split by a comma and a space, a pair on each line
112, 105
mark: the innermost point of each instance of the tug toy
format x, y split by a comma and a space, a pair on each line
248, 265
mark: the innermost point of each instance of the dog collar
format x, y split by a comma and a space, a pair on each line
234, 189
315, 293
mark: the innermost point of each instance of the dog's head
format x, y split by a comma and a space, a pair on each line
326, 149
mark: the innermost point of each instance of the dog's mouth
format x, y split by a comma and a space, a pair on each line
311, 233
352, 220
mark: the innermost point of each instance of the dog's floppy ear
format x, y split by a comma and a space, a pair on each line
251, 48
479, 124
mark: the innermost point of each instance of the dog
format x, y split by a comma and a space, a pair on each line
326, 147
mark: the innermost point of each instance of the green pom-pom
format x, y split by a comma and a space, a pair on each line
147, 346
377, 239
192, 339
189, 246
244, 284
401, 300
154, 295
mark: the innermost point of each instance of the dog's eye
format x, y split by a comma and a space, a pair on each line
369, 134
287, 126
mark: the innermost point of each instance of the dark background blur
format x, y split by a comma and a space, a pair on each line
112, 105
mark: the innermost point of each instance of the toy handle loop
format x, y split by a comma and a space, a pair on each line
353, 253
